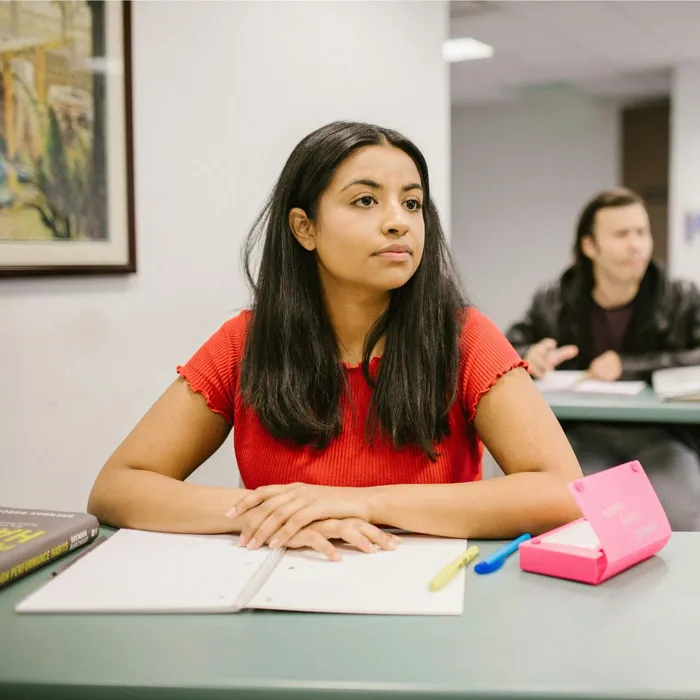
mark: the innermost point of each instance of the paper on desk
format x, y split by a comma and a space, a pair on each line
144, 572
155, 572
560, 380
385, 583
569, 381
677, 383
595, 386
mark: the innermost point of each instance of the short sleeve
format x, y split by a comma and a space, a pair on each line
213, 370
486, 355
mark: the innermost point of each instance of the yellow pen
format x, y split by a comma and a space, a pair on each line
450, 571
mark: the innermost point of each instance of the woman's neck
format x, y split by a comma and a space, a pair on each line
352, 313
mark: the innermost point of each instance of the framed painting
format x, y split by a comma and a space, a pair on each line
66, 147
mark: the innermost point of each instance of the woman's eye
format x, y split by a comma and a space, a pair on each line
414, 205
365, 201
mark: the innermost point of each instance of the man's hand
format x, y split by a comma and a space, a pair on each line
545, 356
606, 367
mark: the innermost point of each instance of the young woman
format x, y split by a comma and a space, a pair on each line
360, 386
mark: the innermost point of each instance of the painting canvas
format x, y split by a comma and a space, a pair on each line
66, 174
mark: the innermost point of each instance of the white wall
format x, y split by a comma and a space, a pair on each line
223, 91
521, 172
684, 195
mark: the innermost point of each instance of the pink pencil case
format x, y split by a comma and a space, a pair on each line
623, 524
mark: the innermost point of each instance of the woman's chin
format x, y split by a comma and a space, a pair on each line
389, 282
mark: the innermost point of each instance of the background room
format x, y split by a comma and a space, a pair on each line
577, 96
85, 356
569, 99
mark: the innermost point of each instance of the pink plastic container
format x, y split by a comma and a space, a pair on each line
623, 524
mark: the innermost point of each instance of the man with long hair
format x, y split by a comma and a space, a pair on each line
616, 314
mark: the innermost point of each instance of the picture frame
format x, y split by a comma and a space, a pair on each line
66, 138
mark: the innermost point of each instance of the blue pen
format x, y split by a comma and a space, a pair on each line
495, 560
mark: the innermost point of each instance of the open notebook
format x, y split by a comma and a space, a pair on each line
149, 572
560, 381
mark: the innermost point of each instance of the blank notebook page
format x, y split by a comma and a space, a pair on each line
135, 571
391, 583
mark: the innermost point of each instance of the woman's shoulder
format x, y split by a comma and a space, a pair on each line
481, 339
485, 356
477, 328
481, 343
237, 326
223, 350
231, 335
214, 369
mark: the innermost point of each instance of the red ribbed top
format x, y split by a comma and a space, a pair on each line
349, 460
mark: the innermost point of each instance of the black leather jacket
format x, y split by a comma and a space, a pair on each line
664, 330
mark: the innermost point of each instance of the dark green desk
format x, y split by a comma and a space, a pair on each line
643, 408
521, 636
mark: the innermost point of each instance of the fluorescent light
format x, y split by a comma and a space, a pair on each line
465, 49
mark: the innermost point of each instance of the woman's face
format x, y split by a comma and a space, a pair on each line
369, 231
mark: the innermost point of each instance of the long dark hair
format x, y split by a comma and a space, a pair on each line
291, 373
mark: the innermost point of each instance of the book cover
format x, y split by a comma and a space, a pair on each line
30, 539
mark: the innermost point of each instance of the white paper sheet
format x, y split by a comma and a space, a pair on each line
677, 383
150, 572
388, 583
579, 534
559, 380
595, 386
567, 381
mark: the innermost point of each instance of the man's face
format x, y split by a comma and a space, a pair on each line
621, 245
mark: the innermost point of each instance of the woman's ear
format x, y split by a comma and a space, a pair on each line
302, 228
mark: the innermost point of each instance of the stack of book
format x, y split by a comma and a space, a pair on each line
677, 383
30, 538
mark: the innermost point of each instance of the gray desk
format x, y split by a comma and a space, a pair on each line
521, 636
643, 408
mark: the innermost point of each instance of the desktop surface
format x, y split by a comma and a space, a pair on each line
643, 408
520, 636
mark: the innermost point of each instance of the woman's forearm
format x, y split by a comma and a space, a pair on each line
145, 500
509, 506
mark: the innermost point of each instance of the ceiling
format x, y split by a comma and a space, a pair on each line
623, 49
